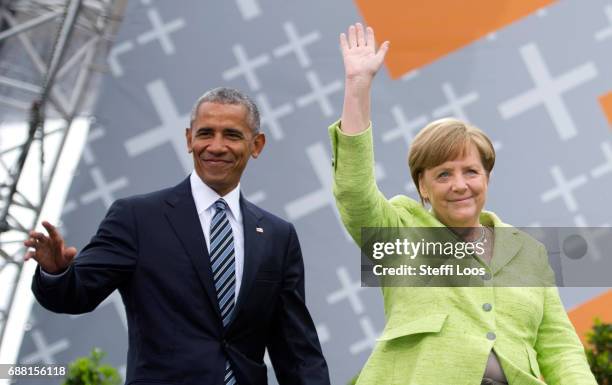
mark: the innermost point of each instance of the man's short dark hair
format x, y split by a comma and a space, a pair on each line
226, 95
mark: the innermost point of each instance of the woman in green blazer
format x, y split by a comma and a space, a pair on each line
449, 335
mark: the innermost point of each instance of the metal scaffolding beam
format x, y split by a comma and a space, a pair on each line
51, 52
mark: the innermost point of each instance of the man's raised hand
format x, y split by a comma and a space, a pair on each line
49, 251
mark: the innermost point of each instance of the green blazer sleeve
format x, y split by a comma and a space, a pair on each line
560, 353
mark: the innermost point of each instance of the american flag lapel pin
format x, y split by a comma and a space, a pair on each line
259, 229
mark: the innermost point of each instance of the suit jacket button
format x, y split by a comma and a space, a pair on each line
487, 307
491, 336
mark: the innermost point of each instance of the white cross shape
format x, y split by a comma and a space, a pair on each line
113, 57
319, 93
605, 168
323, 333
270, 116
591, 236
103, 190
93, 135
69, 207
297, 44
405, 127
249, 9
323, 197
161, 31
122, 370
349, 290
564, 188
168, 131
44, 353
455, 106
246, 67
257, 197
410, 75
115, 300
548, 91
411, 188
607, 32
370, 337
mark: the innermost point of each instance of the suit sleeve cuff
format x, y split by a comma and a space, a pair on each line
49, 278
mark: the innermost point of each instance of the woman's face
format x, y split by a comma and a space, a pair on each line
456, 189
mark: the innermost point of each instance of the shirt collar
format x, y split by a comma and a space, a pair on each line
204, 197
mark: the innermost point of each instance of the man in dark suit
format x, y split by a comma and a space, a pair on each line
208, 279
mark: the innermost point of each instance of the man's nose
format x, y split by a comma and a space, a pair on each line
217, 144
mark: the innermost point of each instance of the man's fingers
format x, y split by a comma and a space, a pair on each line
30, 242
53, 234
35, 235
29, 255
70, 253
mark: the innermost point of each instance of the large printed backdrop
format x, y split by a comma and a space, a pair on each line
537, 78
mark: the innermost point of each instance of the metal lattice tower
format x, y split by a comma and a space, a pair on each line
52, 53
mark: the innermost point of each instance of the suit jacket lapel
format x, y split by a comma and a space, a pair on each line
183, 217
506, 246
253, 246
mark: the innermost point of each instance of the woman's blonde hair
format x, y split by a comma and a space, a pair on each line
443, 140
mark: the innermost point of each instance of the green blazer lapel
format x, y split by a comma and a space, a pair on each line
507, 245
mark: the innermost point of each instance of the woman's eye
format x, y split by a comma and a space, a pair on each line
443, 174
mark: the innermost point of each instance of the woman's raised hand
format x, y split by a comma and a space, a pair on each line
361, 60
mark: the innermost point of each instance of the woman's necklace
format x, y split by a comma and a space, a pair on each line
482, 237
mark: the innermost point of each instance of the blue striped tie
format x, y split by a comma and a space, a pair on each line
223, 264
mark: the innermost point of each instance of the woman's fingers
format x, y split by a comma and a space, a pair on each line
361, 42
352, 36
344, 45
382, 51
369, 37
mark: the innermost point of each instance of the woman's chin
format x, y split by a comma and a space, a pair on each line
465, 218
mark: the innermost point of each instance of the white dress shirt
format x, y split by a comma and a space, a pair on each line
204, 198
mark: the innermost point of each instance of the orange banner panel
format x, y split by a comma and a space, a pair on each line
423, 31
582, 317
606, 105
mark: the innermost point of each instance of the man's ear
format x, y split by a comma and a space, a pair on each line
259, 141
188, 138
